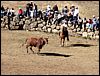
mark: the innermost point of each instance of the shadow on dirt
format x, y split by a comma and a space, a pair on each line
54, 54
80, 45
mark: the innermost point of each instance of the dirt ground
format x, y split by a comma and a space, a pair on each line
78, 57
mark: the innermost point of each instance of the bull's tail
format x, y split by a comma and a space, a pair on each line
23, 43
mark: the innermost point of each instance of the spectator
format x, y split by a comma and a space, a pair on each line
27, 10
20, 13
48, 8
94, 23
7, 12
35, 11
55, 17
31, 6
76, 13
89, 25
45, 18
84, 24
9, 22
70, 17
50, 18
2, 8
65, 10
98, 26
80, 22
55, 8
31, 13
72, 9
12, 12
2, 11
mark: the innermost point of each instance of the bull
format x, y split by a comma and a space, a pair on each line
36, 42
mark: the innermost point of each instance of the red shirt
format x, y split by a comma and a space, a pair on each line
20, 11
90, 21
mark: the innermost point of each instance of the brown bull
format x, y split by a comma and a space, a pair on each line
36, 42
63, 34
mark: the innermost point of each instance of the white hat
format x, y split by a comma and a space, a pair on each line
97, 17
93, 15
72, 5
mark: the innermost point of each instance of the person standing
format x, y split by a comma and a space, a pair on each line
20, 13
35, 11
2, 11
27, 10
31, 6
12, 12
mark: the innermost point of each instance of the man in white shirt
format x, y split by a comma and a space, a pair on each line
48, 8
76, 12
12, 12
31, 13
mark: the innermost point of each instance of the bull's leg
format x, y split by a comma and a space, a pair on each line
60, 41
63, 40
67, 36
31, 49
38, 51
27, 48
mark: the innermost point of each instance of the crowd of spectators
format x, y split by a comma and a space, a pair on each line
52, 15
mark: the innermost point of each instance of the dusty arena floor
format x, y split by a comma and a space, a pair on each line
78, 57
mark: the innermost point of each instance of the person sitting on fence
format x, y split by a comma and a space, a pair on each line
20, 13
89, 25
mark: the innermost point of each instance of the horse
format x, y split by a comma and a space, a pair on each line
62, 35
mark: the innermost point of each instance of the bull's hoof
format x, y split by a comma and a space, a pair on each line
61, 45
38, 53
67, 39
34, 53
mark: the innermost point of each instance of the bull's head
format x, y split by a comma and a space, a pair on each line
46, 40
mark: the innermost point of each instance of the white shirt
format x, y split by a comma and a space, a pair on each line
12, 10
76, 12
48, 7
31, 13
59, 16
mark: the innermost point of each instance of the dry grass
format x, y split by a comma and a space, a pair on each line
79, 57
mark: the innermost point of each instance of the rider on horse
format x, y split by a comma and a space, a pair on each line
63, 34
